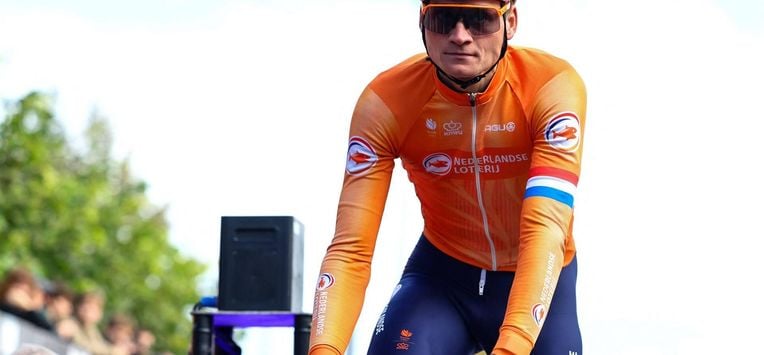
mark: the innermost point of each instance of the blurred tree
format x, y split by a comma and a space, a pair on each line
81, 218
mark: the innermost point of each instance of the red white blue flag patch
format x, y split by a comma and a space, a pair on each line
557, 184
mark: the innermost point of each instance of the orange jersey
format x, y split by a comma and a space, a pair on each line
495, 173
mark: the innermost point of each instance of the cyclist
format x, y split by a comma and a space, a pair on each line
491, 136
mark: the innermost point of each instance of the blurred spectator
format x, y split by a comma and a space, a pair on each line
120, 332
22, 296
59, 304
144, 341
89, 312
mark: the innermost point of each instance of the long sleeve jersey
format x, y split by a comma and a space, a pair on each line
495, 173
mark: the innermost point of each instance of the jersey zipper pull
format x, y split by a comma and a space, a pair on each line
481, 284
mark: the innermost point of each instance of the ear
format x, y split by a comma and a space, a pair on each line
511, 22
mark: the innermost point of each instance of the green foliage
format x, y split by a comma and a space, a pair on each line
81, 218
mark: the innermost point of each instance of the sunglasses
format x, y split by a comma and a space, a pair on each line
478, 20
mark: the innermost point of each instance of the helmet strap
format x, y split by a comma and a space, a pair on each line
464, 84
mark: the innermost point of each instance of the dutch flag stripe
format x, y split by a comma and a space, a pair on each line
557, 184
552, 182
554, 172
554, 194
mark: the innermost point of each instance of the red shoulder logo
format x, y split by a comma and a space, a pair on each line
564, 131
361, 156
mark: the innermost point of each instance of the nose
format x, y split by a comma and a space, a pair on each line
459, 34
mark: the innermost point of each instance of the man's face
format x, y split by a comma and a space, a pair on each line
461, 52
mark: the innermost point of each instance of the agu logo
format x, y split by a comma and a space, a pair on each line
539, 313
325, 281
361, 156
564, 131
437, 163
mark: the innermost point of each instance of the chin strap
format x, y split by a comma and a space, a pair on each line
464, 84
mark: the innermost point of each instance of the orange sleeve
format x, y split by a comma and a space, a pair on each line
346, 268
557, 115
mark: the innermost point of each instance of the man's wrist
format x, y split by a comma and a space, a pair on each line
324, 350
511, 343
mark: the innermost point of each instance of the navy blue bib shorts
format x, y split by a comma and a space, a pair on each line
437, 309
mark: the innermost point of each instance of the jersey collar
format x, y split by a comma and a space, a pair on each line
461, 98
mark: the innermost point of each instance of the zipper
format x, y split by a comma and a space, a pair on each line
481, 284
476, 165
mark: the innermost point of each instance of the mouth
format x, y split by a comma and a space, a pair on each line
459, 54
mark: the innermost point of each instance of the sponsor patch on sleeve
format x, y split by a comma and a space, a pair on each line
538, 312
564, 131
325, 281
361, 156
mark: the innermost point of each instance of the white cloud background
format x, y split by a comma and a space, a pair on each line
242, 108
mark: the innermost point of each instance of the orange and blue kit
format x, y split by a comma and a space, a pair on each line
496, 175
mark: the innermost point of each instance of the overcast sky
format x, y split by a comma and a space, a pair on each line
242, 108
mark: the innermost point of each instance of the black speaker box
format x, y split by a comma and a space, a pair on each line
261, 264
